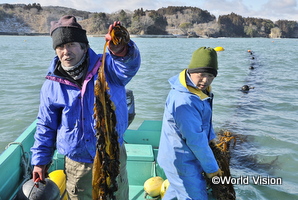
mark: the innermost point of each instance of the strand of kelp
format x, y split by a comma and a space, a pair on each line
106, 162
220, 148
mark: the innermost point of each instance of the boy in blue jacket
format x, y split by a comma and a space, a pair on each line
184, 152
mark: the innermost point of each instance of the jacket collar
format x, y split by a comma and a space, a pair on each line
93, 64
193, 89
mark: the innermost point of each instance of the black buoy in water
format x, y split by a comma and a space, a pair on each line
246, 88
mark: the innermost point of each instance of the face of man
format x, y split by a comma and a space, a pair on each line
70, 53
202, 80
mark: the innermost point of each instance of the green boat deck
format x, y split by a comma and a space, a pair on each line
142, 147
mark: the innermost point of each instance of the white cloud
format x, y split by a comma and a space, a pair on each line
223, 7
281, 9
271, 9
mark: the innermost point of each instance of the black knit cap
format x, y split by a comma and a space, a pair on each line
67, 29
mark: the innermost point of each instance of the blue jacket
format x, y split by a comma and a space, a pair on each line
65, 120
186, 130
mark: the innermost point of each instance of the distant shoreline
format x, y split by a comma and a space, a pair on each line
92, 35
23, 34
132, 35
144, 36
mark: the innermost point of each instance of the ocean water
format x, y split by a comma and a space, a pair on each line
264, 120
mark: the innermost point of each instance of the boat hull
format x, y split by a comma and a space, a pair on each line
141, 146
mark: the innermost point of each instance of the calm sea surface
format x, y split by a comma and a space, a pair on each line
263, 120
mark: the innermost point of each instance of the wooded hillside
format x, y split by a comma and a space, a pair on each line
187, 21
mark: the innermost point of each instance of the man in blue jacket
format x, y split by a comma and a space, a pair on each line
65, 118
184, 152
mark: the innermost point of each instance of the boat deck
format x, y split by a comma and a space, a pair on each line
141, 146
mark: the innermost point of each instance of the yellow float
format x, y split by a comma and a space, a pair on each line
152, 186
219, 49
59, 178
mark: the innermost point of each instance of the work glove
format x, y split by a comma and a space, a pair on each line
217, 173
117, 39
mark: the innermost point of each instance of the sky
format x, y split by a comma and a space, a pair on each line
266, 9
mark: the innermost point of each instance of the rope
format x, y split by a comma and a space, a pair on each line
25, 160
151, 198
25, 164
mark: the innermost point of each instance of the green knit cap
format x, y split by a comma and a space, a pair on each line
204, 60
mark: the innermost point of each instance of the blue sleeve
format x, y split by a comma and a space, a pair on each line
46, 129
189, 120
121, 69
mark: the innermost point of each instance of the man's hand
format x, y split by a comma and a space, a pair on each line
217, 173
121, 48
39, 173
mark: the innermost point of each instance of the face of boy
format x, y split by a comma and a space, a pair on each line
202, 80
70, 53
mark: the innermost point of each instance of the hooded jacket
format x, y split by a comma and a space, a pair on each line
65, 120
187, 130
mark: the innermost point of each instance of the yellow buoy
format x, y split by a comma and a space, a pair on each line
58, 177
219, 49
152, 186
